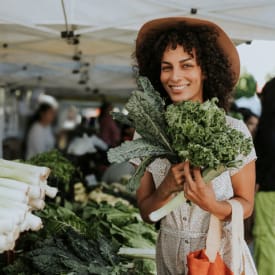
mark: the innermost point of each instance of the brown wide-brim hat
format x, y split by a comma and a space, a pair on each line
223, 40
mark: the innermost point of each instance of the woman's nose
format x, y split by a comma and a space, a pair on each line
176, 75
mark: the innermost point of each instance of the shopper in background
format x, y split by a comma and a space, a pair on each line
264, 227
40, 136
109, 131
251, 120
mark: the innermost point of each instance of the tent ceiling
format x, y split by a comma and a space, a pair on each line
37, 55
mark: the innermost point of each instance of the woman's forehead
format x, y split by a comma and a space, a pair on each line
178, 51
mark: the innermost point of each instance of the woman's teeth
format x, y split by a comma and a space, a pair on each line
178, 87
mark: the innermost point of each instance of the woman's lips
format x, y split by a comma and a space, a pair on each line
178, 88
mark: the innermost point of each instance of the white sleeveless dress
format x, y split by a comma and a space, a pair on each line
184, 230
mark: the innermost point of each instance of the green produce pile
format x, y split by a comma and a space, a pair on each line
63, 173
85, 240
201, 135
62, 169
184, 131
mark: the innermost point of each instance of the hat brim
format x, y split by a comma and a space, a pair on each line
223, 40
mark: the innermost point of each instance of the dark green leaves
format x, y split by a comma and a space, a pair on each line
138, 148
188, 130
199, 133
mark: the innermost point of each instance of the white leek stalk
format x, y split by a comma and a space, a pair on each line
12, 173
50, 191
8, 203
179, 199
35, 192
17, 217
13, 235
14, 184
3, 242
13, 194
22, 188
37, 204
6, 225
36, 171
31, 222
142, 253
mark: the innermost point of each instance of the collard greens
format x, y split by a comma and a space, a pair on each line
192, 131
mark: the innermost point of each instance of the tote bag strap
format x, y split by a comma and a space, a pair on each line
237, 224
213, 239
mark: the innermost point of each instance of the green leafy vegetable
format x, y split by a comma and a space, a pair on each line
61, 168
200, 134
192, 131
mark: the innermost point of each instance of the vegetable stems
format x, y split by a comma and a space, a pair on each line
208, 175
22, 189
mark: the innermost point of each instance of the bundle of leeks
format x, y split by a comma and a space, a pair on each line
23, 188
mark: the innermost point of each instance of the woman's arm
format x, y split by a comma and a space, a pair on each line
150, 199
203, 194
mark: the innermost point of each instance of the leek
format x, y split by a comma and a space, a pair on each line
50, 191
17, 217
142, 253
37, 171
22, 188
31, 222
12, 194
6, 225
14, 184
37, 204
3, 242
208, 175
12, 173
35, 192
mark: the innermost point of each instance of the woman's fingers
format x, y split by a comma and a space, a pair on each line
188, 193
198, 177
188, 176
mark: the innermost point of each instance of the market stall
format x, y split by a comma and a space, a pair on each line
80, 52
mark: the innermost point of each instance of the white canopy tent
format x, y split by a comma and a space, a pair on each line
34, 54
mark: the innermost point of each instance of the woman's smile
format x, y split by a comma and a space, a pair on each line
178, 88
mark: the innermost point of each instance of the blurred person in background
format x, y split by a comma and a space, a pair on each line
251, 120
264, 227
108, 129
40, 137
118, 171
127, 133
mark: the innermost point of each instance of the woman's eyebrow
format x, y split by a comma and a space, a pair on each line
181, 61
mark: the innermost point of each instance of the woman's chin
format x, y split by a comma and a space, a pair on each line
179, 99
182, 98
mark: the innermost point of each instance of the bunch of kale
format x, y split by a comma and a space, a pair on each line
184, 131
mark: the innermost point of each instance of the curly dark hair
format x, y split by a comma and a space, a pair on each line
219, 78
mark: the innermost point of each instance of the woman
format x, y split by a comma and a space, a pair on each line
250, 119
191, 59
264, 227
108, 130
40, 137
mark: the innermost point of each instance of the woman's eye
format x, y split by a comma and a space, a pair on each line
165, 69
187, 65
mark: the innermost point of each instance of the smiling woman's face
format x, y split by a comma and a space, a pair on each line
181, 76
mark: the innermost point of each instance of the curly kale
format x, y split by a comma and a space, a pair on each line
192, 131
199, 133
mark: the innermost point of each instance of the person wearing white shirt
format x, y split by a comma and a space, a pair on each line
40, 137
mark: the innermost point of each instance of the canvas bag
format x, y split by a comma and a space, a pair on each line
208, 261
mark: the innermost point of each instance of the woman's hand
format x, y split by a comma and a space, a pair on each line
196, 190
174, 180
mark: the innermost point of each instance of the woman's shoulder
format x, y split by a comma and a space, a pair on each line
238, 124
